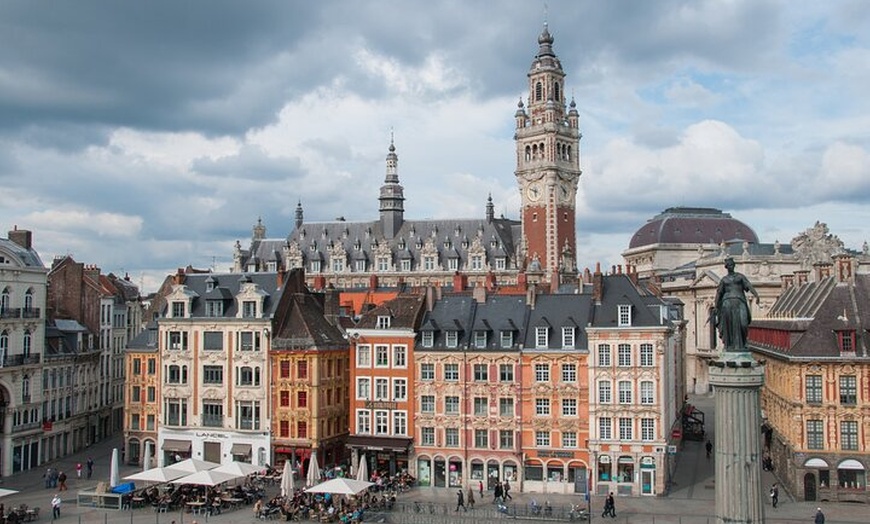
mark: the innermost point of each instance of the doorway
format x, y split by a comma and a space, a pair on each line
647, 481
211, 451
809, 487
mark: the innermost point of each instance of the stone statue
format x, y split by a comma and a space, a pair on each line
733, 314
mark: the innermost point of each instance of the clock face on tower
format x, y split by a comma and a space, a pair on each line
565, 192
534, 192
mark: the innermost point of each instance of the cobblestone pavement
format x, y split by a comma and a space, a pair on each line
691, 499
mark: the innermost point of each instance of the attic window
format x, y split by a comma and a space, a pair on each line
178, 309
383, 322
624, 315
427, 339
846, 341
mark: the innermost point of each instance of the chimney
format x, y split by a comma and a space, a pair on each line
597, 284
531, 295
490, 281
802, 276
22, 237
331, 305
319, 282
844, 268
279, 279
178, 278
522, 281
823, 270
430, 298
92, 272
459, 282
554, 283
587, 276
786, 281
479, 294
373, 282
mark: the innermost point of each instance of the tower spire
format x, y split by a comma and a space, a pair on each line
392, 195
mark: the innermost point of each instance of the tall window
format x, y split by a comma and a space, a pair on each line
382, 356
451, 405
646, 355
604, 355
400, 389
400, 423
505, 372
505, 439
814, 389
481, 438
381, 422
363, 356
624, 391
542, 372
363, 388
427, 339
249, 309
647, 392
569, 407
427, 371
481, 372
175, 412
364, 421
506, 338
427, 403
480, 339
541, 339
249, 341
212, 414
400, 356
451, 437
624, 355
451, 372
569, 372
506, 407
625, 432
481, 406
427, 436
624, 312
604, 428
542, 407
604, 392
452, 338
568, 337
177, 340
382, 389
815, 434
647, 429
849, 435
848, 390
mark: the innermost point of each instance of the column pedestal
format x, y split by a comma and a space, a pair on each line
737, 379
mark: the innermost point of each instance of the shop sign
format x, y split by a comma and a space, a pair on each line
381, 404
555, 454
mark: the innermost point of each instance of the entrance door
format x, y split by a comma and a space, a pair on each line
809, 487
579, 480
211, 451
440, 474
647, 481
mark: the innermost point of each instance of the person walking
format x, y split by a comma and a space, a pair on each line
709, 447
78, 470
61, 478
498, 493
460, 500
609, 506
507, 490
55, 506
774, 494
90, 465
470, 497
480, 488
47, 477
820, 517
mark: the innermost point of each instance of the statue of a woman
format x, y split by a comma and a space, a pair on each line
733, 314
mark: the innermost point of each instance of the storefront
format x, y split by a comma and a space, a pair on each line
627, 475
385, 455
213, 446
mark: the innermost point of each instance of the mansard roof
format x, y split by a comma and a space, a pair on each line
813, 314
19, 255
226, 287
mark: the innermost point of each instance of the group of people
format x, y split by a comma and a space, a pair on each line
322, 507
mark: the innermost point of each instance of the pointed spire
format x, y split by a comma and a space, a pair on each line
392, 195
298, 214
259, 231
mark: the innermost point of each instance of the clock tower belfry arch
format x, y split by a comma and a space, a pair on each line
547, 139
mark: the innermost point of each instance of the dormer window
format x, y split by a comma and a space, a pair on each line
406, 264
480, 339
846, 341
383, 322
209, 285
541, 338
501, 263
315, 266
249, 309
214, 308
452, 339
624, 315
568, 340
179, 309
507, 339
427, 339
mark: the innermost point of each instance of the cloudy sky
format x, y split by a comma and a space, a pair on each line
145, 136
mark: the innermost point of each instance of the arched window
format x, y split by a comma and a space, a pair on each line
556, 91
568, 153
4, 300
27, 342
28, 300
528, 153
25, 389
4, 343
539, 91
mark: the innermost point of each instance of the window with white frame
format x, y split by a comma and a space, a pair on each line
359, 266
337, 265
400, 389
500, 263
569, 439
427, 371
427, 403
481, 372
480, 339
363, 388
481, 406
249, 309
506, 407
451, 405
406, 264
568, 339
505, 372
569, 407
383, 264
625, 432
429, 263
542, 372
505, 439
604, 392
646, 355
569, 373
363, 421
542, 439
451, 372
400, 423
506, 339
383, 322
624, 313
624, 387
453, 264
177, 340
623, 355
249, 341
427, 436
476, 263
647, 392
427, 339
451, 338
604, 355
382, 426
541, 338
481, 438
604, 428
542, 407
849, 435
314, 266
400, 356
382, 356
382, 389
451, 437
363, 356
647, 429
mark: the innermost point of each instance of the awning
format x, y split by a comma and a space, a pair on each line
851, 464
241, 449
379, 443
816, 463
176, 445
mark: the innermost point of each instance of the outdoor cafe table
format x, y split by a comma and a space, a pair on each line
232, 501
196, 506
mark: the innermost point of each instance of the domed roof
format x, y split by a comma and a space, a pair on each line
692, 225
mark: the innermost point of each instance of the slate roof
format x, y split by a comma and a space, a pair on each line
304, 326
404, 311
692, 225
226, 287
26, 257
813, 314
146, 340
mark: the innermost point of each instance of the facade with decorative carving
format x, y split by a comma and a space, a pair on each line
141, 397
815, 345
394, 250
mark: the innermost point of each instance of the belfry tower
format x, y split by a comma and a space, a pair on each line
548, 165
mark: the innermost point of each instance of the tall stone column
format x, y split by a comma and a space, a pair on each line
737, 379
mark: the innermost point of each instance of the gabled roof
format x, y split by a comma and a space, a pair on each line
227, 287
304, 326
405, 311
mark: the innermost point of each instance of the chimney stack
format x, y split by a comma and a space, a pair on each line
22, 237
597, 284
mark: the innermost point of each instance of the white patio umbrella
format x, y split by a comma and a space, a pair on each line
362, 472
146, 462
4, 492
193, 465
206, 478
341, 486
243, 469
158, 475
313, 470
287, 486
114, 475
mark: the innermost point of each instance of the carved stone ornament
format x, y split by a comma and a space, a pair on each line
816, 244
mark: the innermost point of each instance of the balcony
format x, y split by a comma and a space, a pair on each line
20, 360
30, 312
10, 313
